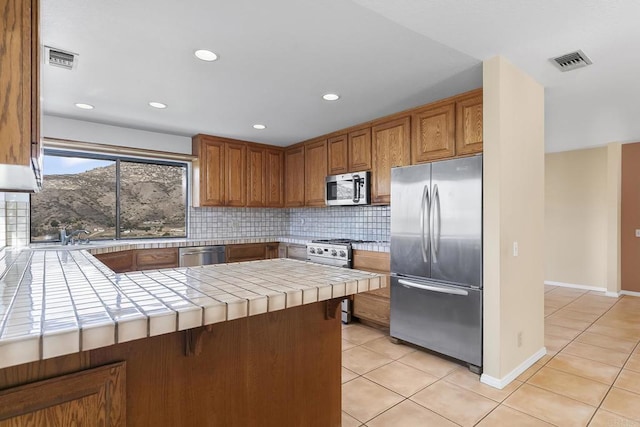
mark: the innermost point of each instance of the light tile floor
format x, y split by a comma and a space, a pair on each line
590, 375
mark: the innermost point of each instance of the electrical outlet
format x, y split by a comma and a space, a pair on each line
515, 248
520, 339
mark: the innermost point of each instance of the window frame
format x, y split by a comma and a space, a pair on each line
61, 152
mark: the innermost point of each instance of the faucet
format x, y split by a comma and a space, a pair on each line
65, 238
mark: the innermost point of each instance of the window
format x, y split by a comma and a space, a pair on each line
112, 197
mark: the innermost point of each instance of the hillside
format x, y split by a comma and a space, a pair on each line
152, 202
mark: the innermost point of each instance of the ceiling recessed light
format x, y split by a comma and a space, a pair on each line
158, 105
330, 97
84, 106
258, 126
206, 55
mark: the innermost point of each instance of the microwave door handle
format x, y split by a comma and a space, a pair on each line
356, 188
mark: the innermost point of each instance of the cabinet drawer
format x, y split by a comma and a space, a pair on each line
156, 258
372, 307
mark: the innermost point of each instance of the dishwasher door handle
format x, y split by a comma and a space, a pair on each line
450, 291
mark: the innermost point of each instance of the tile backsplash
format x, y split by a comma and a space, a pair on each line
213, 223
14, 219
351, 222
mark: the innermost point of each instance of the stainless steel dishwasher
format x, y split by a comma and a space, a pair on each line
202, 255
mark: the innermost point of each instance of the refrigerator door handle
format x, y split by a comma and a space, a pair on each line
435, 214
450, 291
425, 206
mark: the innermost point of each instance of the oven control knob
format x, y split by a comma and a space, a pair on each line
343, 254
312, 250
319, 250
334, 252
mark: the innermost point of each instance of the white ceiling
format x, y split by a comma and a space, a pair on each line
278, 57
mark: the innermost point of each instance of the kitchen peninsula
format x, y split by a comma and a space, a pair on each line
241, 344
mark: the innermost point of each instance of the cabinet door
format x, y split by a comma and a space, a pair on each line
294, 177
315, 172
274, 178
433, 134
92, 397
469, 125
391, 144
338, 155
256, 173
373, 306
360, 150
247, 252
151, 259
118, 262
211, 167
236, 174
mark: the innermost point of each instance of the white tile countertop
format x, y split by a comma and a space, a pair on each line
58, 302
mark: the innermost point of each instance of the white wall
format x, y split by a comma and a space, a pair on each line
78, 130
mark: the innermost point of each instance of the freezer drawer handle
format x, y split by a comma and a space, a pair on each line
450, 291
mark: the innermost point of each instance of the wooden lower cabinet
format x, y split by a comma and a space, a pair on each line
280, 368
87, 398
251, 252
140, 259
373, 306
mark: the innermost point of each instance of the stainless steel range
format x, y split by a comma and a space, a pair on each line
336, 252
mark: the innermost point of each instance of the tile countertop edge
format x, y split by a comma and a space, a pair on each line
171, 291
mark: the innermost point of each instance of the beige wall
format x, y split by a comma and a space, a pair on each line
513, 211
576, 217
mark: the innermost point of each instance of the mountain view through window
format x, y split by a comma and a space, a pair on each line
112, 198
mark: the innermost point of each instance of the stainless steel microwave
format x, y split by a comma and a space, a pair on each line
348, 189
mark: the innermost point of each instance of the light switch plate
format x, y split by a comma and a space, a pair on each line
637, 232
515, 248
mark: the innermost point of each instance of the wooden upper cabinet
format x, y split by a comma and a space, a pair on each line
236, 174
315, 172
338, 155
274, 178
391, 145
209, 171
256, 174
469, 124
294, 177
20, 112
360, 150
433, 135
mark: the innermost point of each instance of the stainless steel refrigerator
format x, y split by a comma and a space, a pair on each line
436, 257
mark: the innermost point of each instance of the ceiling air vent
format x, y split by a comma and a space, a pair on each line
61, 58
571, 61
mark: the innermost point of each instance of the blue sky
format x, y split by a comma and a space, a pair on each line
54, 165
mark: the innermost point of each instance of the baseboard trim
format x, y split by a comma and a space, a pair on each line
614, 294
574, 286
501, 383
630, 293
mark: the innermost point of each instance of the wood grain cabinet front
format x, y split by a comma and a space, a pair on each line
433, 135
294, 185
315, 172
274, 178
209, 171
391, 146
469, 124
20, 112
338, 155
373, 306
256, 174
360, 150
94, 397
236, 174
151, 259
118, 262
251, 252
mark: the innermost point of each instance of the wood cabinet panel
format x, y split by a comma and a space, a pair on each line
149, 259
20, 88
469, 125
246, 252
433, 135
92, 397
315, 172
119, 262
256, 174
360, 150
209, 171
391, 147
274, 178
294, 177
236, 174
373, 306
338, 155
